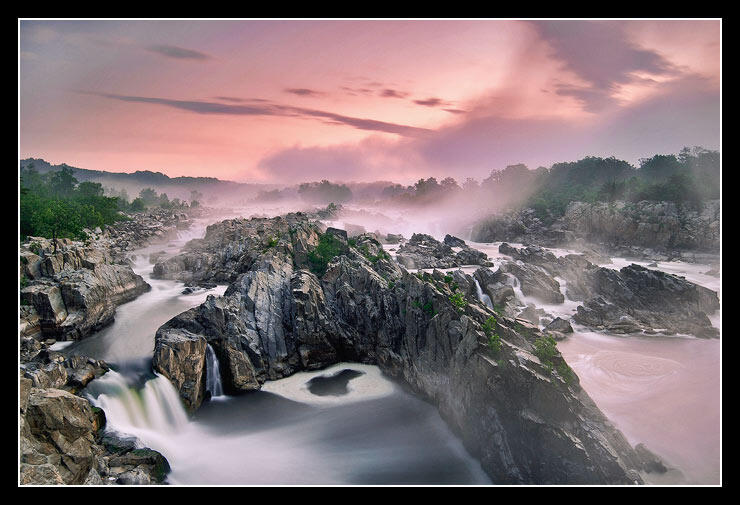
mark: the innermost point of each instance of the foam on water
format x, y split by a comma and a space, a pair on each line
370, 385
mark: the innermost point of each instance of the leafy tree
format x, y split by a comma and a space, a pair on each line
62, 183
149, 197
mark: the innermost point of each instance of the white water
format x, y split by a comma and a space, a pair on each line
482, 296
213, 374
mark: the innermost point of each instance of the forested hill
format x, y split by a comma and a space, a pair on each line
143, 176
134, 182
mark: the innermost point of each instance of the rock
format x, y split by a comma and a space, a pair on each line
180, 356
454, 241
61, 423
76, 292
646, 224
523, 226
354, 230
424, 251
636, 299
560, 325
658, 231
530, 314
649, 461
535, 281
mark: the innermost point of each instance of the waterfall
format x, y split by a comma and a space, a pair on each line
482, 296
213, 374
155, 407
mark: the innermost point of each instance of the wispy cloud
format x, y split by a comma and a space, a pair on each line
356, 91
202, 107
176, 52
304, 92
438, 102
393, 93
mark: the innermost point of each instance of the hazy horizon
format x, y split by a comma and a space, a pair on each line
274, 101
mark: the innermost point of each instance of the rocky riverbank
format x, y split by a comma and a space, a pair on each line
62, 437
631, 300
659, 231
517, 408
70, 289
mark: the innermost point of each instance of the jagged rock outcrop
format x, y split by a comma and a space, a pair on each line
660, 231
526, 419
73, 292
634, 299
230, 247
521, 226
424, 251
70, 289
662, 226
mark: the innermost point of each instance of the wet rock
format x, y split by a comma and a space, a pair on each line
535, 281
636, 299
453, 241
424, 251
560, 325
394, 239
649, 461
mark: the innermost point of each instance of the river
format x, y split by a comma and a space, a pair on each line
663, 391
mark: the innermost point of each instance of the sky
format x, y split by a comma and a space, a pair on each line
287, 101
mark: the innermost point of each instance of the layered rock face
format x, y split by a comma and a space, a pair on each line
521, 226
631, 300
71, 289
657, 225
657, 230
230, 247
73, 292
528, 421
424, 251
61, 435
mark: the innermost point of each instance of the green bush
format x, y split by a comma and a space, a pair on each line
329, 247
373, 258
458, 300
494, 340
566, 372
545, 348
494, 343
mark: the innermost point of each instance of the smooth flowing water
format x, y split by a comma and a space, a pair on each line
344, 425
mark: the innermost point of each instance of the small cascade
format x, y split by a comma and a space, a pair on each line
482, 296
213, 374
155, 407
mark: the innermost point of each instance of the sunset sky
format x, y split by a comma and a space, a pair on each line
292, 101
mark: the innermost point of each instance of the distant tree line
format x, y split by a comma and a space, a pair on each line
56, 204
324, 192
688, 178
